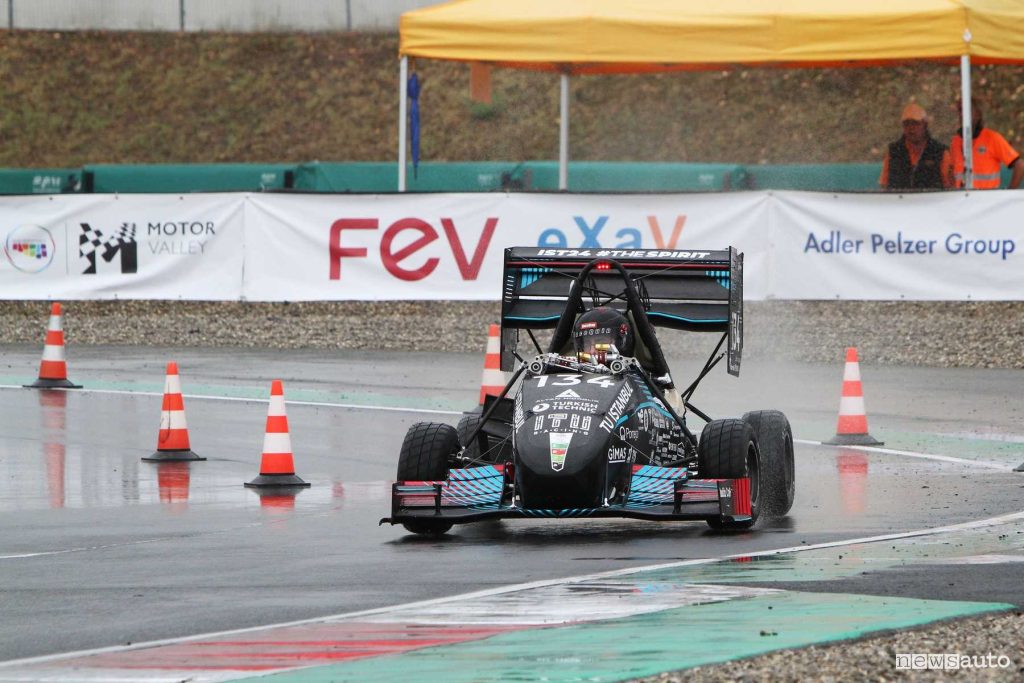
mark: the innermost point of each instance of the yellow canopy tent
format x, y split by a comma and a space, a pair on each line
611, 36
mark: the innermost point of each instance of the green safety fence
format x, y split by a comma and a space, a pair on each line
819, 177
463, 176
187, 178
584, 176
372, 176
40, 180
626, 176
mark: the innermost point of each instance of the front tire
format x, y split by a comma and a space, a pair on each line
426, 455
467, 426
775, 444
728, 450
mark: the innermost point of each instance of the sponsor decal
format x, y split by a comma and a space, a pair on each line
49, 184
179, 238
652, 418
568, 393
617, 408
622, 253
565, 422
579, 405
121, 242
162, 238
402, 261
632, 239
903, 245
29, 248
592, 330
618, 454
627, 435
558, 443
518, 417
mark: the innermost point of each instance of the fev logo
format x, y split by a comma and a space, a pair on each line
29, 248
400, 262
122, 241
629, 237
558, 445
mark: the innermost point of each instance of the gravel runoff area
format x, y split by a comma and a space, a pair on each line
874, 658
943, 334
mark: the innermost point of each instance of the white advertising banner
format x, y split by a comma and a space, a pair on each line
122, 247
939, 246
450, 246
295, 247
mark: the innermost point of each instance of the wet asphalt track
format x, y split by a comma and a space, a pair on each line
98, 548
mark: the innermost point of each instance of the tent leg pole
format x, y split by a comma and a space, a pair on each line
968, 120
563, 135
403, 116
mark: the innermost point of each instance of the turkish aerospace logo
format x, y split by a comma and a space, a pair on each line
121, 242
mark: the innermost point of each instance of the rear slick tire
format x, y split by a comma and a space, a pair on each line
778, 471
728, 450
426, 456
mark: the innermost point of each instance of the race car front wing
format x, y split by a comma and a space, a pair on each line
656, 493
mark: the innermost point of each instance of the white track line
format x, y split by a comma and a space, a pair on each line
984, 464
964, 526
242, 399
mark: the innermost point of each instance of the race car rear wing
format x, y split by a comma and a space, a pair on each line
698, 291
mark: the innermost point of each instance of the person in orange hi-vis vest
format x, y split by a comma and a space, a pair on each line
991, 151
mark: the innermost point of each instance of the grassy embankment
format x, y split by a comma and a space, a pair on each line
68, 99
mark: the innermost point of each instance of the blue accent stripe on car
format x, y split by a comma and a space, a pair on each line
712, 321
645, 404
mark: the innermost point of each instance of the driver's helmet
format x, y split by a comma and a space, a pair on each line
602, 332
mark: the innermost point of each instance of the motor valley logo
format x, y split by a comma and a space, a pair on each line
29, 248
160, 239
120, 243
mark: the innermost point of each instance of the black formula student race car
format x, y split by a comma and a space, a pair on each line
595, 426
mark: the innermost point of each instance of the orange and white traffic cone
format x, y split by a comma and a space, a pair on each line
852, 429
53, 370
493, 380
172, 440
277, 467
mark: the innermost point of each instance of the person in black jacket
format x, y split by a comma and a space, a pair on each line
916, 161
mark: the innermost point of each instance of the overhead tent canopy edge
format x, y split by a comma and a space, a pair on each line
573, 37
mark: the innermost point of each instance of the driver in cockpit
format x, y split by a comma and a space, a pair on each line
602, 334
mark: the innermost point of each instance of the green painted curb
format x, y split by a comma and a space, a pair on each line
649, 644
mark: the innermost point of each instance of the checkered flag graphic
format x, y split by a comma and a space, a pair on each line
125, 235
121, 242
88, 242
